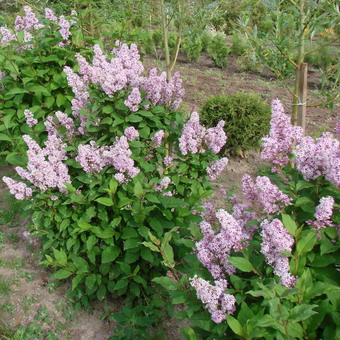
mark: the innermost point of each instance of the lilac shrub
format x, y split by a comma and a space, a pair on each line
275, 251
113, 176
33, 53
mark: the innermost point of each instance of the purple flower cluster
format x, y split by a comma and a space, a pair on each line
28, 21
323, 213
263, 195
216, 167
167, 161
45, 168
30, 120
275, 239
131, 133
64, 28
160, 92
18, 189
215, 247
164, 184
319, 158
216, 301
66, 122
157, 138
49, 15
90, 157
337, 129
7, 36
93, 159
133, 100
282, 137
79, 87
195, 138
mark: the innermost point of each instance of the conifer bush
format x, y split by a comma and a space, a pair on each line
246, 115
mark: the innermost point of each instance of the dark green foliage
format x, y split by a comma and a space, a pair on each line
192, 48
246, 119
219, 51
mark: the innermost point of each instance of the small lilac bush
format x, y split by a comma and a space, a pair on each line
117, 176
34, 51
267, 268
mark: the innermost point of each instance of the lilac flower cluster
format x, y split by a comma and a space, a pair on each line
263, 195
45, 168
319, 158
195, 138
323, 213
30, 120
167, 161
90, 157
28, 21
79, 87
118, 156
123, 71
64, 28
164, 184
216, 301
275, 240
337, 129
157, 138
66, 122
160, 92
214, 249
216, 167
18, 189
7, 36
49, 15
133, 100
282, 137
131, 133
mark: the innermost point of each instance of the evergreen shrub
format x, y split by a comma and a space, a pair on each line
246, 119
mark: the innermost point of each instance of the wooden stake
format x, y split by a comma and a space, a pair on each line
301, 114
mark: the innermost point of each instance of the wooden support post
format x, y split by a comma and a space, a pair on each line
301, 114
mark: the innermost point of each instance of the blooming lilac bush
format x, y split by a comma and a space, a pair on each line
33, 54
112, 176
268, 268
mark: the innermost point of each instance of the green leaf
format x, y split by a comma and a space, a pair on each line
101, 292
105, 201
90, 281
110, 254
81, 264
5, 137
289, 224
165, 282
60, 256
234, 325
38, 89
121, 284
172, 202
306, 244
241, 263
129, 233
152, 198
76, 281
16, 90
302, 312
134, 118
62, 274
150, 246
138, 190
